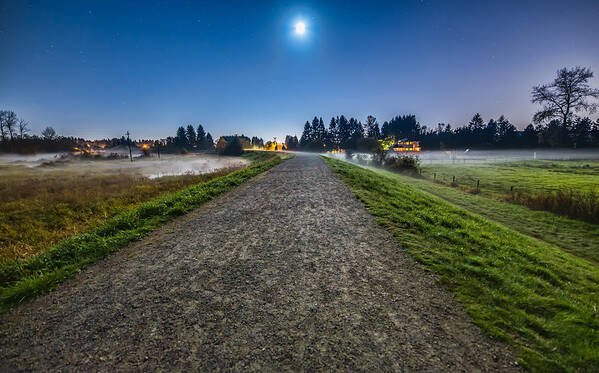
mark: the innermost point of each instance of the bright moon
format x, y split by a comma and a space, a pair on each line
300, 28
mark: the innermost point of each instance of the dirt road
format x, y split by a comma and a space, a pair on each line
287, 272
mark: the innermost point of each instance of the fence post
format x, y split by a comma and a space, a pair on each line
477, 185
434, 176
453, 179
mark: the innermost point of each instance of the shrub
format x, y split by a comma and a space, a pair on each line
403, 163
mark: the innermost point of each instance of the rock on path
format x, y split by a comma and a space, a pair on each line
288, 271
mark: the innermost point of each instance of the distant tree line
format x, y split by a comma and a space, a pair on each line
342, 133
557, 124
16, 137
188, 139
493, 134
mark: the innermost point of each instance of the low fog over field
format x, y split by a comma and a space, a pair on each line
486, 156
151, 167
473, 156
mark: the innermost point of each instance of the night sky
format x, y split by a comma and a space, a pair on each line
97, 69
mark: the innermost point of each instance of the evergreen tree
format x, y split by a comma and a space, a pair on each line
595, 133
356, 128
400, 127
343, 132
201, 137
506, 132
490, 132
257, 142
190, 133
234, 147
473, 134
356, 133
372, 127
385, 130
530, 137
181, 138
332, 141
322, 131
209, 141
476, 123
554, 134
315, 130
306, 138
291, 142
319, 133
581, 132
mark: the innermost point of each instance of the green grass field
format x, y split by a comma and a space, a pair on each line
526, 176
528, 292
568, 188
23, 278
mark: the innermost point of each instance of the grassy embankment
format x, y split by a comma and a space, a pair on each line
27, 277
568, 188
517, 288
577, 237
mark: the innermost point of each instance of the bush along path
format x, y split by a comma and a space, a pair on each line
519, 289
287, 272
26, 278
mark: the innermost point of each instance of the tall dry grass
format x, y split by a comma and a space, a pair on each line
577, 205
40, 208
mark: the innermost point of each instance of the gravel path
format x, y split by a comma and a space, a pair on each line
287, 272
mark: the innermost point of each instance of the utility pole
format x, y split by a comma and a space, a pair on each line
129, 145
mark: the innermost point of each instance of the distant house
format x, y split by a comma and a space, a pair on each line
406, 146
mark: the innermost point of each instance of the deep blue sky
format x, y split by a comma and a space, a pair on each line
96, 69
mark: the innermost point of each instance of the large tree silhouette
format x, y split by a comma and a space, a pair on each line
569, 93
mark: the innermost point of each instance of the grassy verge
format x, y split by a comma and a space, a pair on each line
525, 291
577, 237
25, 278
568, 188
